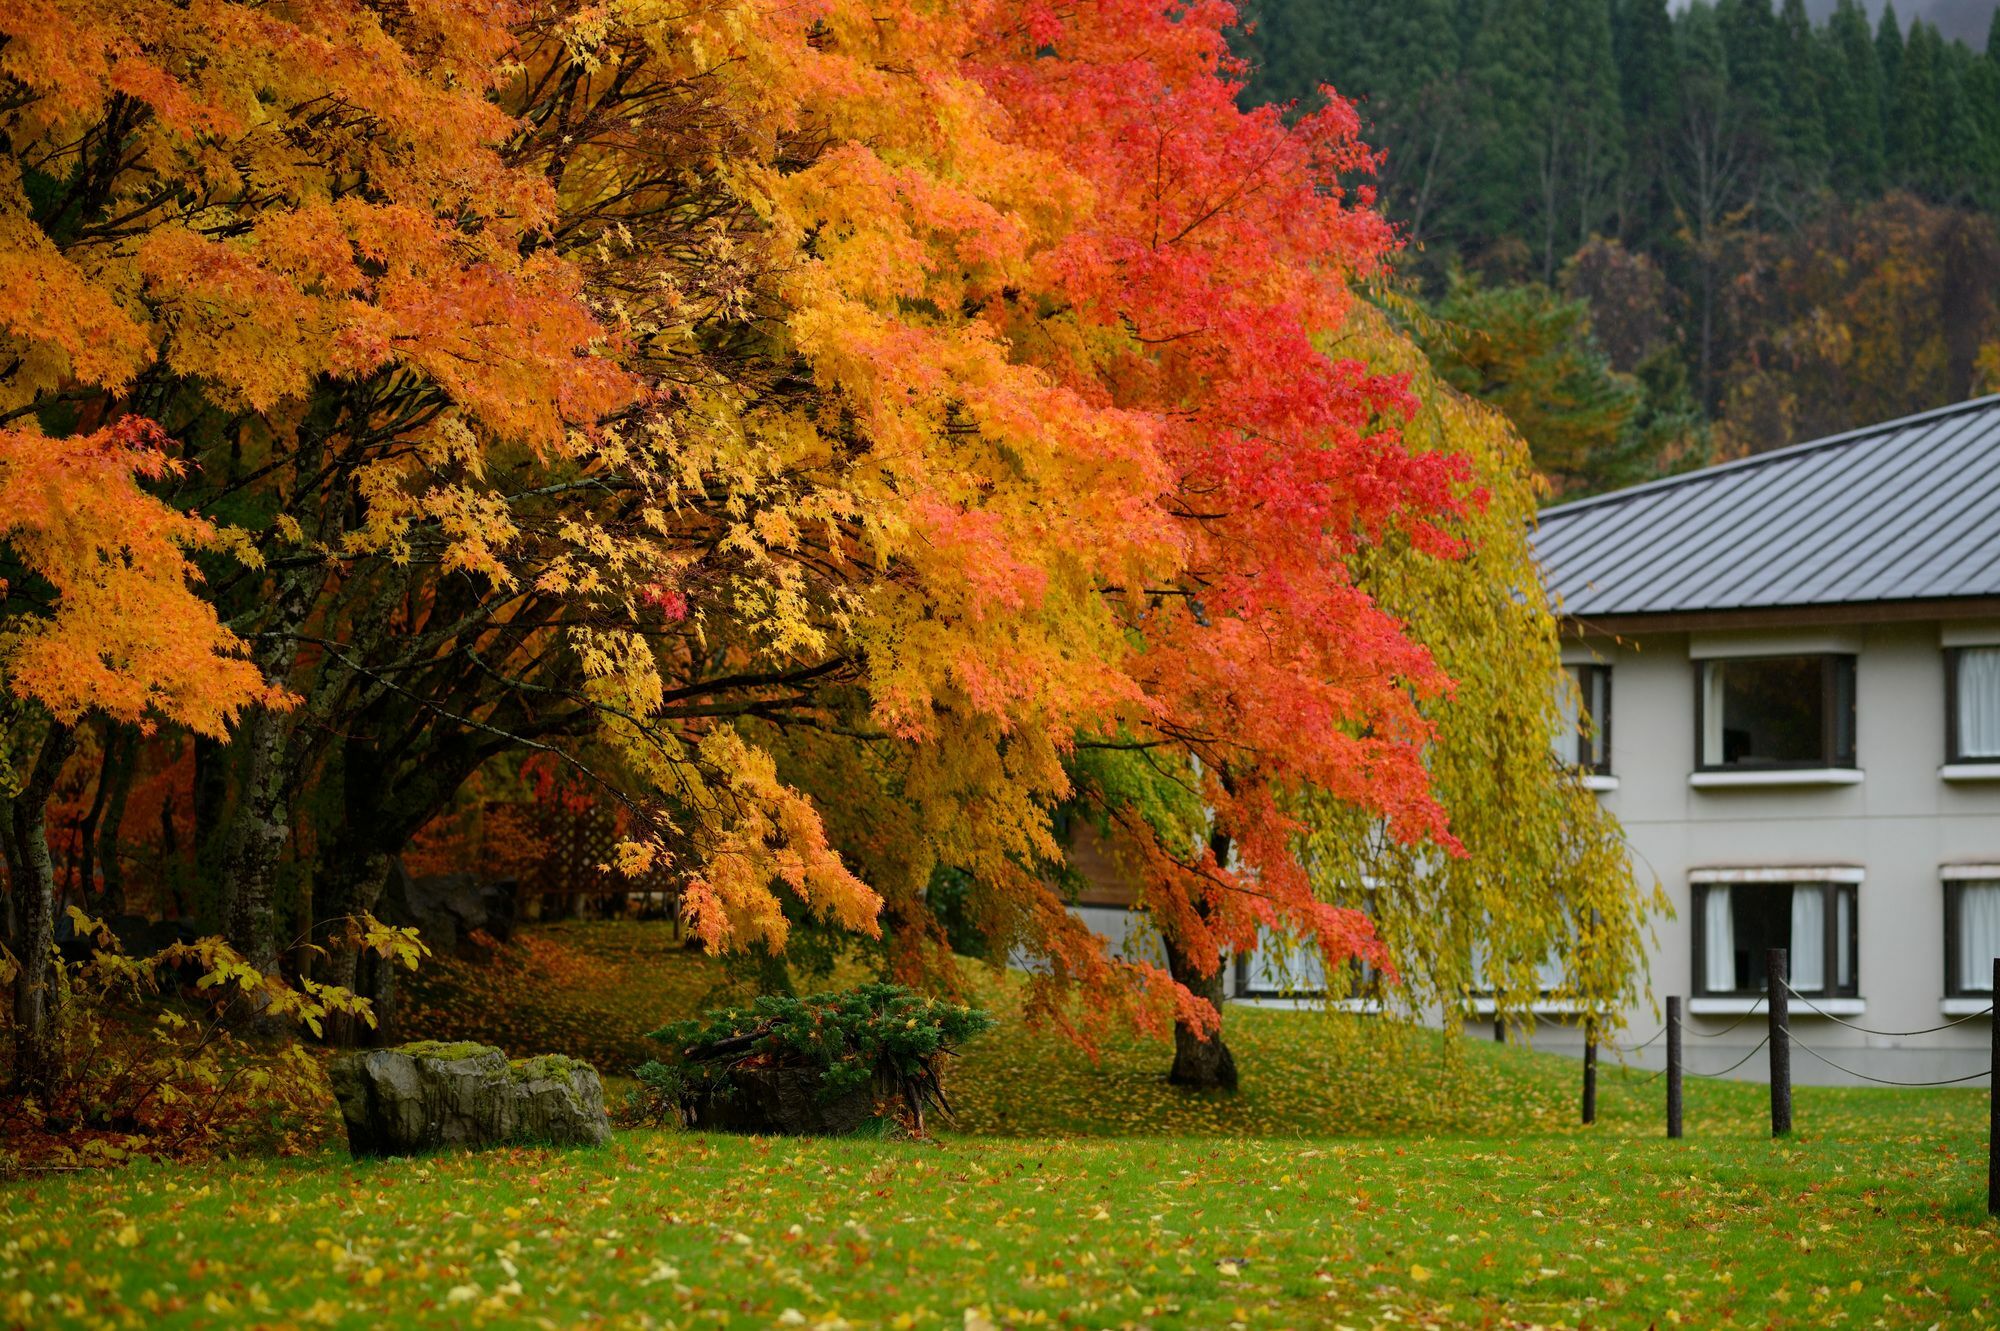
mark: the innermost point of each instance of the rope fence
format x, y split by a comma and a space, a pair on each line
1778, 1041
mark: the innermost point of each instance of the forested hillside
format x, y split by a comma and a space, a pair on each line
1676, 235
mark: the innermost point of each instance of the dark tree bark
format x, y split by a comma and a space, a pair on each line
109, 849
1203, 1064
31, 874
86, 838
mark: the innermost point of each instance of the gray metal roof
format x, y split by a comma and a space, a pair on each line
1905, 510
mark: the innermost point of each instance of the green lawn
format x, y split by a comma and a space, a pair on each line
1357, 1182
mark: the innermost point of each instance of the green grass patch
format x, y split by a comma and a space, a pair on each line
1367, 1176
673, 1230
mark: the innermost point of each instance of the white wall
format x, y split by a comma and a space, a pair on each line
1902, 823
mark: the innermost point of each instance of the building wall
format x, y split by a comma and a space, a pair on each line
1901, 824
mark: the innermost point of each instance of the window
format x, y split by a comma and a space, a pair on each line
1583, 740
1736, 923
1281, 967
1971, 936
1550, 973
1972, 704
1776, 712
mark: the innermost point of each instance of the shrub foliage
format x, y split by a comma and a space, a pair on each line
880, 1035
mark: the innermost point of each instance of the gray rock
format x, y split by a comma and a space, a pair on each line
430, 1096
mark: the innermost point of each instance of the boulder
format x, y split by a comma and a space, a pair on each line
430, 1095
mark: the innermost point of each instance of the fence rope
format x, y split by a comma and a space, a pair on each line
1883, 1081
1633, 1049
1711, 1035
1869, 1030
1733, 1066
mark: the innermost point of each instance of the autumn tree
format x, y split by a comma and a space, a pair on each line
280, 259
846, 439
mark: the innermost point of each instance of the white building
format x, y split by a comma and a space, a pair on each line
1794, 663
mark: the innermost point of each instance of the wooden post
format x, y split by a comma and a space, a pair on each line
1993, 1105
1674, 1066
1499, 1029
1781, 1042
1589, 1072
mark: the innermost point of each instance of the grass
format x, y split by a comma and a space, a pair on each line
1358, 1181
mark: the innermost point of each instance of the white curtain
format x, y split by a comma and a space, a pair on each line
1978, 935
1808, 950
1719, 927
1551, 973
1569, 720
1711, 718
1979, 702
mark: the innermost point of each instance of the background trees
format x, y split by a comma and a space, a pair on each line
1741, 130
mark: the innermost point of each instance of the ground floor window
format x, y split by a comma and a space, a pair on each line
1971, 935
1550, 973
1738, 922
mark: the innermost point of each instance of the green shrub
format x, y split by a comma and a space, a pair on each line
877, 1034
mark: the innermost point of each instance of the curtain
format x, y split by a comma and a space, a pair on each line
1979, 702
1843, 939
1569, 719
1550, 974
1808, 949
1719, 966
1978, 935
1711, 720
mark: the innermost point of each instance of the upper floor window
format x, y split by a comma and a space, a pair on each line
1971, 934
1776, 712
1972, 704
1736, 923
1583, 740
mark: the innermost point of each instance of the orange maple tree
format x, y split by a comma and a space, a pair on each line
858, 437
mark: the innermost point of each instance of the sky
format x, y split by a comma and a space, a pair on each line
1966, 20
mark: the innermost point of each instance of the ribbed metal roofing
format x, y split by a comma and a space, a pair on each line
1905, 510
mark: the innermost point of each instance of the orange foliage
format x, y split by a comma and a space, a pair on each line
898, 403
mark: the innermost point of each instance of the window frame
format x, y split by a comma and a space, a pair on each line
1954, 896
1581, 674
1831, 890
1952, 755
1831, 665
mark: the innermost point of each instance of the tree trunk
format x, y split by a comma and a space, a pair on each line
31, 874
256, 841
262, 822
353, 886
86, 832
109, 847
1202, 1064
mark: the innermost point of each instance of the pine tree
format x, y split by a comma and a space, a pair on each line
1888, 49
1962, 150
1802, 141
1750, 36
1509, 74
1853, 101
1982, 92
1649, 90
1292, 49
1586, 126
1404, 57
1915, 137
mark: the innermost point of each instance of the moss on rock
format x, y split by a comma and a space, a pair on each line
448, 1050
